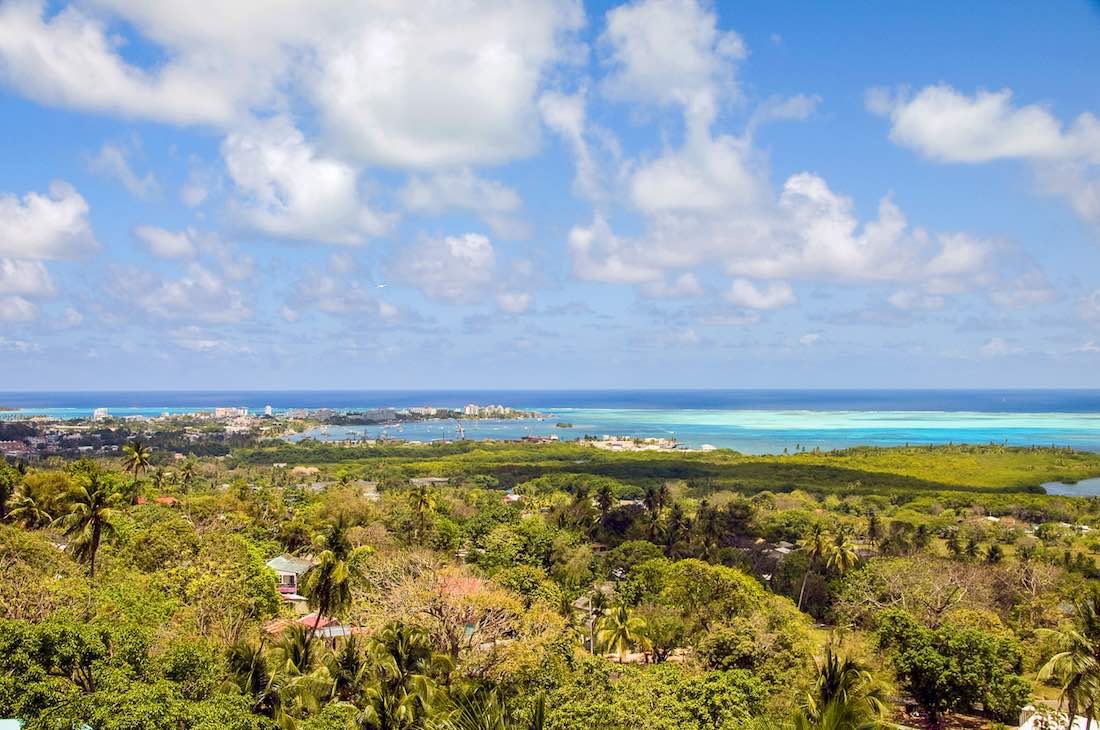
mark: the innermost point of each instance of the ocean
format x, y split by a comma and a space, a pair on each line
750, 421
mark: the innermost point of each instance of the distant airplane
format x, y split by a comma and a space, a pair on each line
380, 286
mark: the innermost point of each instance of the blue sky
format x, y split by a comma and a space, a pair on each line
662, 193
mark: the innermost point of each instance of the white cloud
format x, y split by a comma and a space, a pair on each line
71, 318
21, 346
599, 255
456, 269
946, 125
53, 226
25, 277
909, 299
566, 115
198, 339
670, 52
198, 295
287, 189
113, 161
999, 347
442, 84
463, 190
684, 285
775, 295
71, 59
710, 201
514, 302
334, 294
809, 339
166, 244
17, 309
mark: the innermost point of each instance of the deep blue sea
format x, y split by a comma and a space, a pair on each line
751, 421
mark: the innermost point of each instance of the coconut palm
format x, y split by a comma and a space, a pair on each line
1076, 665
597, 607
483, 708
160, 478
90, 518
402, 692
842, 555
28, 507
136, 457
846, 696
423, 504
620, 630
188, 472
605, 497
327, 584
299, 674
815, 545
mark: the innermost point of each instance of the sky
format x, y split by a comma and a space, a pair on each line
549, 194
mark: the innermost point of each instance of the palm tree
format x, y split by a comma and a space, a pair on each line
846, 696
1076, 666
349, 668
676, 528
874, 528
300, 676
597, 607
28, 508
327, 583
136, 459
483, 708
815, 545
842, 553
187, 473
423, 503
604, 499
160, 478
89, 519
402, 692
620, 630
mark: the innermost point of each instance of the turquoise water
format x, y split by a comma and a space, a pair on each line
751, 421
764, 432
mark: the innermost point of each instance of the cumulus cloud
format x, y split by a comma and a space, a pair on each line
456, 269
20, 346
999, 347
710, 201
113, 161
670, 52
71, 59
334, 293
514, 302
774, 295
53, 226
28, 278
949, 126
199, 339
197, 295
423, 86
166, 244
463, 190
946, 125
682, 286
17, 309
286, 188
